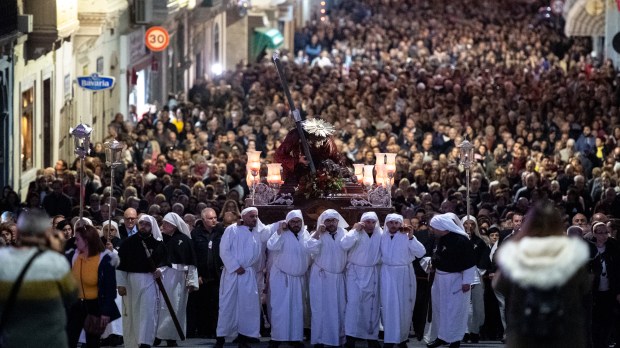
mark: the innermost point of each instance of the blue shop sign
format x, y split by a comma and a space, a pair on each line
95, 82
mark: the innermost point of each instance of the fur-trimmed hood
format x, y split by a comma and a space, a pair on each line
542, 262
114, 259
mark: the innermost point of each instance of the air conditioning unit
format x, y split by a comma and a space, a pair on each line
24, 23
143, 10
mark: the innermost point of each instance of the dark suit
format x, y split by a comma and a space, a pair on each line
122, 231
203, 305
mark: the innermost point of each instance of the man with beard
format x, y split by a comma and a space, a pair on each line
454, 262
204, 303
363, 242
135, 278
327, 285
287, 279
240, 308
179, 279
399, 247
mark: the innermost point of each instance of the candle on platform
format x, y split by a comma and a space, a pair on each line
368, 177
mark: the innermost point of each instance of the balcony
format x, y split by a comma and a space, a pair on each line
53, 20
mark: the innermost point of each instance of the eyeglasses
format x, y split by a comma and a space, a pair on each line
130, 218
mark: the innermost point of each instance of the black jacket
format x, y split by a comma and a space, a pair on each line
207, 248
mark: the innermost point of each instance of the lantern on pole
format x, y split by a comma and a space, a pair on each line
81, 139
466, 156
113, 155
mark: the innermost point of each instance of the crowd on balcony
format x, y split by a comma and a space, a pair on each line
400, 76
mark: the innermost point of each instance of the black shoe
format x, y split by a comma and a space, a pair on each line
144, 345
171, 343
320, 345
466, 338
219, 342
456, 344
475, 338
374, 344
156, 342
436, 343
388, 345
402, 344
274, 344
298, 344
350, 342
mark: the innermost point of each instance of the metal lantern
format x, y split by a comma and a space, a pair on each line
113, 153
81, 138
466, 154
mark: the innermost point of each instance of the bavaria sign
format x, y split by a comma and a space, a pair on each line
96, 82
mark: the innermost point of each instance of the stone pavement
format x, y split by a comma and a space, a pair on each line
413, 343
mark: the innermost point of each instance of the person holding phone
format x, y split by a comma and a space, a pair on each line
399, 247
327, 284
287, 279
363, 243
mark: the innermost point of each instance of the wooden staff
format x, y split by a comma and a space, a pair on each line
175, 320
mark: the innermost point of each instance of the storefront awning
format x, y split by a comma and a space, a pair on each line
265, 38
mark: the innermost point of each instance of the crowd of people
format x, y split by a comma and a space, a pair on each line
401, 76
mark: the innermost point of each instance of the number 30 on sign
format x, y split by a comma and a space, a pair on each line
156, 39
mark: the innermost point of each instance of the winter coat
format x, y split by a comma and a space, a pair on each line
545, 263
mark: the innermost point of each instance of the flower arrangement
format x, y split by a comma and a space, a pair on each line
330, 178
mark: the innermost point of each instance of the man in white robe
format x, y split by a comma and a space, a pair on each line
363, 242
287, 279
135, 279
454, 263
178, 280
326, 282
240, 308
399, 247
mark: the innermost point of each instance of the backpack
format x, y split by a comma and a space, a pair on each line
542, 313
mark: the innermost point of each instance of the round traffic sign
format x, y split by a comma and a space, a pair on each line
156, 39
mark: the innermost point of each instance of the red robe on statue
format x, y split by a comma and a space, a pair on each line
291, 150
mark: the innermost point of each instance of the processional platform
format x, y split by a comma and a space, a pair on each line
312, 208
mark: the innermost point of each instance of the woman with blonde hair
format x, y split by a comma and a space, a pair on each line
541, 260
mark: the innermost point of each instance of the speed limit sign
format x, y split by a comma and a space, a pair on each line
157, 39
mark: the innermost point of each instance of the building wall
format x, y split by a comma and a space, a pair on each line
29, 76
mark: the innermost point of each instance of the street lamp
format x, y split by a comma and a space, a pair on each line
466, 156
113, 153
81, 139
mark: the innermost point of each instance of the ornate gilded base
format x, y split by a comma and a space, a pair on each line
312, 208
